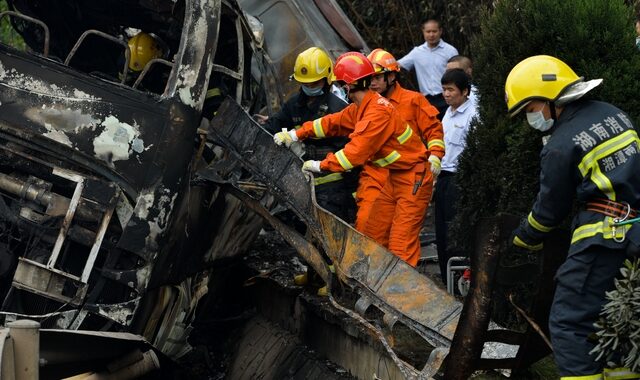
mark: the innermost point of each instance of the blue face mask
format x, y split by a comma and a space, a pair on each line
312, 91
537, 121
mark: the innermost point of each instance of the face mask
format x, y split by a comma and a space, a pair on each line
312, 91
537, 121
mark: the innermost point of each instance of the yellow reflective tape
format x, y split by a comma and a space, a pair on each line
537, 225
620, 373
406, 135
436, 142
333, 177
212, 92
587, 377
343, 160
390, 159
590, 160
317, 128
354, 194
605, 228
517, 241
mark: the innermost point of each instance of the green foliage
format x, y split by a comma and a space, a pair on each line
7, 34
619, 325
499, 170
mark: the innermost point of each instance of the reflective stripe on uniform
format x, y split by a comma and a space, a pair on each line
333, 177
537, 225
590, 160
317, 128
343, 160
604, 228
406, 135
212, 92
390, 159
620, 373
520, 243
586, 377
436, 142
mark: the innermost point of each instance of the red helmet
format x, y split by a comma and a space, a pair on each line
382, 61
352, 66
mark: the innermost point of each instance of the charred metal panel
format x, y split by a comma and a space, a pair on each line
377, 275
106, 122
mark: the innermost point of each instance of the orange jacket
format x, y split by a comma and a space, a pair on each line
422, 116
377, 132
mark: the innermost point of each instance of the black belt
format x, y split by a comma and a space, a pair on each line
445, 173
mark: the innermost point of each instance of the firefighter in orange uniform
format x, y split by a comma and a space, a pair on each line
378, 134
415, 109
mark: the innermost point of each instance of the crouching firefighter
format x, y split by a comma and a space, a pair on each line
593, 152
313, 70
378, 135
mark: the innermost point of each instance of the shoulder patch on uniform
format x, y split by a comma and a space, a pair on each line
383, 101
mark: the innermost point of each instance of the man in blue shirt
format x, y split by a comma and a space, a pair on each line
430, 62
456, 87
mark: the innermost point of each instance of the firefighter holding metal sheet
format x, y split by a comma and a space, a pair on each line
592, 153
380, 135
313, 69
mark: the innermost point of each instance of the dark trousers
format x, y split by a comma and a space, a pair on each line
438, 102
445, 198
582, 281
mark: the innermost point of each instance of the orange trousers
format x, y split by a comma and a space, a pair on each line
370, 183
396, 216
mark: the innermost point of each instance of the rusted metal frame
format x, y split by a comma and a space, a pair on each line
469, 337
93, 254
240, 35
147, 67
127, 51
308, 252
73, 204
226, 71
45, 50
430, 336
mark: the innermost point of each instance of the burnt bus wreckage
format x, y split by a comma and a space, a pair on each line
100, 226
118, 193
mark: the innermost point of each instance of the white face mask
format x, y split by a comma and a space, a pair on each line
537, 121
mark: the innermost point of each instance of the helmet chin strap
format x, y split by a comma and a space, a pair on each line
389, 84
552, 109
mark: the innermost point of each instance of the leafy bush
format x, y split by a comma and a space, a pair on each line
499, 170
619, 325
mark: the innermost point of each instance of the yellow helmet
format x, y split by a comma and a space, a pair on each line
143, 49
312, 65
538, 77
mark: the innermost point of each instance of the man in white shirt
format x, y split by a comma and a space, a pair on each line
430, 61
456, 87
464, 63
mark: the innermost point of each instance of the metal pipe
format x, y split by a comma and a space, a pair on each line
56, 204
26, 347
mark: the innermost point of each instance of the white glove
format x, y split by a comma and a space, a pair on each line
285, 137
435, 165
311, 166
